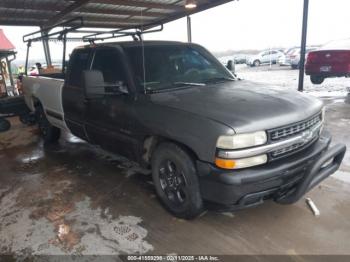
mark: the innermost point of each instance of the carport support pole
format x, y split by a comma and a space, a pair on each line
27, 57
46, 49
8, 62
64, 53
189, 29
303, 46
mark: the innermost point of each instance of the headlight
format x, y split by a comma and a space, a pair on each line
241, 163
242, 140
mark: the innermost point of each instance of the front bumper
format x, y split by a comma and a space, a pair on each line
285, 180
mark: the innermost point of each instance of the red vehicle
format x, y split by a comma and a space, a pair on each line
331, 60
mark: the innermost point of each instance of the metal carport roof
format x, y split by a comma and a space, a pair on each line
117, 14
98, 13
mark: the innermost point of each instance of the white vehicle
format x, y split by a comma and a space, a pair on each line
285, 59
265, 57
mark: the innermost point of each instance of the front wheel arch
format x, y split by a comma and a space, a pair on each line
150, 143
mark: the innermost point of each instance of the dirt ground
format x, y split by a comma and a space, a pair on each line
73, 198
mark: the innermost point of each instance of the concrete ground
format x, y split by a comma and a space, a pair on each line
72, 198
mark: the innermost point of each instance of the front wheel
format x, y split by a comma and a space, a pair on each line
256, 63
176, 182
49, 132
316, 80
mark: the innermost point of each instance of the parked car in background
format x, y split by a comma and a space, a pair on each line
295, 56
237, 59
240, 59
224, 59
284, 60
265, 57
331, 60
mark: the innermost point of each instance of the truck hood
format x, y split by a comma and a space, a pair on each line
242, 105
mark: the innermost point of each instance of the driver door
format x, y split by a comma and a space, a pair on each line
108, 116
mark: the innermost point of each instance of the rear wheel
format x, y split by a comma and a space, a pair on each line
27, 119
49, 133
176, 182
4, 125
316, 80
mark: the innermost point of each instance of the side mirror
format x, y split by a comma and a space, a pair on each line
230, 66
95, 86
5, 125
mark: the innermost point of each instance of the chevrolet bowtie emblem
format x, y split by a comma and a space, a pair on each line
307, 135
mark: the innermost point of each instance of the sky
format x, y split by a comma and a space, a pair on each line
238, 25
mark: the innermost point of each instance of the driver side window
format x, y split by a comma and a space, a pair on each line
108, 61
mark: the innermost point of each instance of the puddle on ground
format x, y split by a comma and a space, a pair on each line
72, 229
48, 213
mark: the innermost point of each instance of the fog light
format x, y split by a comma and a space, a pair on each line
241, 163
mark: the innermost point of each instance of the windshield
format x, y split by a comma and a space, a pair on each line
173, 66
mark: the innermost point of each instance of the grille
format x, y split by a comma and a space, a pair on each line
286, 150
292, 130
284, 132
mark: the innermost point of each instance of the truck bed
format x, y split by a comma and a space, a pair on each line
61, 76
46, 90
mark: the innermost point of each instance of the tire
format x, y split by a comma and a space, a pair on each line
316, 80
49, 133
4, 125
176, 181
256, 63
27, 119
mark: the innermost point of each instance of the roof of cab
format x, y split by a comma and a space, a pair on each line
134, 44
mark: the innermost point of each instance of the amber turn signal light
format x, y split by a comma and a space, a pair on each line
225, 163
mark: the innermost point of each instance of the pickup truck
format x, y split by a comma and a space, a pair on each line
208, 137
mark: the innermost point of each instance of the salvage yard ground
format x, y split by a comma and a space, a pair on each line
73, 198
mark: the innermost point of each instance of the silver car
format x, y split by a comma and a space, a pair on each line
265, 57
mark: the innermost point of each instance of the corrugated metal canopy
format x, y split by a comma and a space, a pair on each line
98, 13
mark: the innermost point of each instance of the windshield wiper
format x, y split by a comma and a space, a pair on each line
174, 87
219, 79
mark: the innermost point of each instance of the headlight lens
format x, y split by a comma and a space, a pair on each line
242, 140
241, 163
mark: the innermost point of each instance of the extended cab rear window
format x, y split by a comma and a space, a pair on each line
109, 62
79, 62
